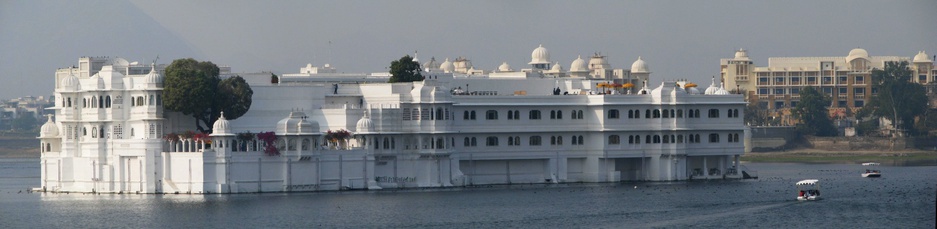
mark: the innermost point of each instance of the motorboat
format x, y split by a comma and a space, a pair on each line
808, 189
871, 172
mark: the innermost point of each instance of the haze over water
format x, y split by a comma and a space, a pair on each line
903, 198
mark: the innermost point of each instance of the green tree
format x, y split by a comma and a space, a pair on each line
898, 99
756, 114
274, 79
405, 70
24, 122
812, 113
194, 88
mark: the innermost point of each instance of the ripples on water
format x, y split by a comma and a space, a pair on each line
903, 198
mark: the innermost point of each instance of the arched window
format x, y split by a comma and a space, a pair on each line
472, 116
466, 142
439, 114
534, 114
713, 113
647, 139
101, 132
579, 113
614, 140
647, 113
714, 138
465, 115
534, 140
68, 102
152, 100
386, 143
491, 141
553, 114
580, 139
559, 140
440, 144
474, 142
108, 101
630, 114
552, 140
680, 138
94, 132
613, 114
637, 139
666, 139
656, 113
559, 114
680, 113
491, 115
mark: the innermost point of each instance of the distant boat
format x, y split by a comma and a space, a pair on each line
808, 189
871, 172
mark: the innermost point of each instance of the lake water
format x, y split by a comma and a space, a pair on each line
903, 198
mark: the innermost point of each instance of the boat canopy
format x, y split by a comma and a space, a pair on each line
871, 163
808, 182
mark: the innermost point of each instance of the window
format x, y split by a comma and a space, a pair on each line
656, 113
667, 113
491, 141
101, 102
656, 138
680, 138
647, 113
630, 114
647, 139
778, 104
439, 114
842, 90
559, 114
794, 103
714, 138
534, 114
474, 141
842, 79
514, 141
552, 114
465, 114
580, 139
860, 80
762, 91
779, 91
513, 115
841, 103
859, 103
535, 140
858, 91
614, 140
680, 113
795, 91
828, 90
637, 139
714, 113
613, 114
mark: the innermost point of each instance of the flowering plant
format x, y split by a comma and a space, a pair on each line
187, 135
269, 139
202, 137
171, 137
338, 135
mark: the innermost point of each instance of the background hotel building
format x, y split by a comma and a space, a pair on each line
845, 79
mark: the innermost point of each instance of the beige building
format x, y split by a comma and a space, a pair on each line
845, 79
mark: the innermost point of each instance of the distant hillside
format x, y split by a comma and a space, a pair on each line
19, 145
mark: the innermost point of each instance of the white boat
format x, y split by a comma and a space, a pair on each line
871, 172
808, 189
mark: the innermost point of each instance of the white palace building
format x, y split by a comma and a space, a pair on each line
460, 126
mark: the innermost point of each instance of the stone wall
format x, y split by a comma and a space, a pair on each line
859, 143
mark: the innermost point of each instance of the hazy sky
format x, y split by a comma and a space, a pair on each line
678, 39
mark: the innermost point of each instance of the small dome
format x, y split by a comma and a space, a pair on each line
921, 57
96, 81
49, 129
431, 64
556, 67
692, 91
221, 127
721, 90
307, 127
578, 65
153, 79
712, 87
293, 124
857, 53
741, 54
505, 67
69, 83
540, 55
639, 66
447, 66
364, 124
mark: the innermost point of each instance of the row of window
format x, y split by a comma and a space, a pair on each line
154, 131
612, 139
670, 113
827, 90
105, 101
516, 115
612, 114
425, 114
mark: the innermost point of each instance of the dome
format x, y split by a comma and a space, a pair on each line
505, 67
221, 127
290, 124
857, 53
741, 54
712, 87
921, 57
431, 64
364, 124
307, 127
447, 66
69, 83
721, 90
692, 91
49, 130
153, 79
639, 66
96, 81
556, 67
578, 65
540, 55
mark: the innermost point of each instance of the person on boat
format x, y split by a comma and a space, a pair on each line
801, 193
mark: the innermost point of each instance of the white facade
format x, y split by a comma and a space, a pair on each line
452, 129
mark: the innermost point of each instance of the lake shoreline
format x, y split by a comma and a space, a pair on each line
824, 156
